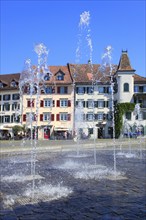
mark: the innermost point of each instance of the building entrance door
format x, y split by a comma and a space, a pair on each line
46, 133
100, 132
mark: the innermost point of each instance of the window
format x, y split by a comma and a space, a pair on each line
15, 96
101, 89
90, 103
48, 90
6, 97
15, 106
128, 115
126, 87
90, 130
100, 104
60, 76
80, 103
90, 90
63, 102
90, 117
6, 107
47, 77
107, 89
100, 116
80, 90
30, 116
135, 88
13, 84
144, 89
15, 118
48, 103
7, 118
62, 90
46, 116
63, 116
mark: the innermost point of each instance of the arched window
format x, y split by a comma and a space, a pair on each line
126, 87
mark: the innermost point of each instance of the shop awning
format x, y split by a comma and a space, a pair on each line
61, 129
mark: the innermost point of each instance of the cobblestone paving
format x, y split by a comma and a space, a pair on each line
91, 199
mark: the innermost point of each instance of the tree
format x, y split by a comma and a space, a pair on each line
16, 129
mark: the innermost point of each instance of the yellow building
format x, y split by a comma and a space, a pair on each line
52, 111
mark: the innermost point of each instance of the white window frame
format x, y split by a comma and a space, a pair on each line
90, 103
100, 116
63, 116
47, 116
48, 103
63, 103
90, 116
100, 103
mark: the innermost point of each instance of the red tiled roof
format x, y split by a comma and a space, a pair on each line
124, 63
85, 73
6, 79
139, 79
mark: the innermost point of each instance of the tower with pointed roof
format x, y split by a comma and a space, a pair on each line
125, 79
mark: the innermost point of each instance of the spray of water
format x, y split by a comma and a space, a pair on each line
84, 44
32, 80
107, 69
137, 111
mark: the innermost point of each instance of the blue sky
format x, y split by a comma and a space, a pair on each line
120, 24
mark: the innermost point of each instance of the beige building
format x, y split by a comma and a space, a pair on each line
52, 110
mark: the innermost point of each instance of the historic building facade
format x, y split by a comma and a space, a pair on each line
76, 97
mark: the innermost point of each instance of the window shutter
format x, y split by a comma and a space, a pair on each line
24, 117
32, 103
87, 104
58, 90
57, 117
41, 117
58, 103
35, 117
69, 103
52, 117
28, 103
41, 103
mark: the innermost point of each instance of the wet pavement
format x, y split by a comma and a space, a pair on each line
84, 191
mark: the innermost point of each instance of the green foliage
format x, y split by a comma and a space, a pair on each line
17, 129
120, 110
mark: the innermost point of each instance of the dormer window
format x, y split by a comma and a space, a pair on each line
1, 85
60, 76
13, 84
47, 77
